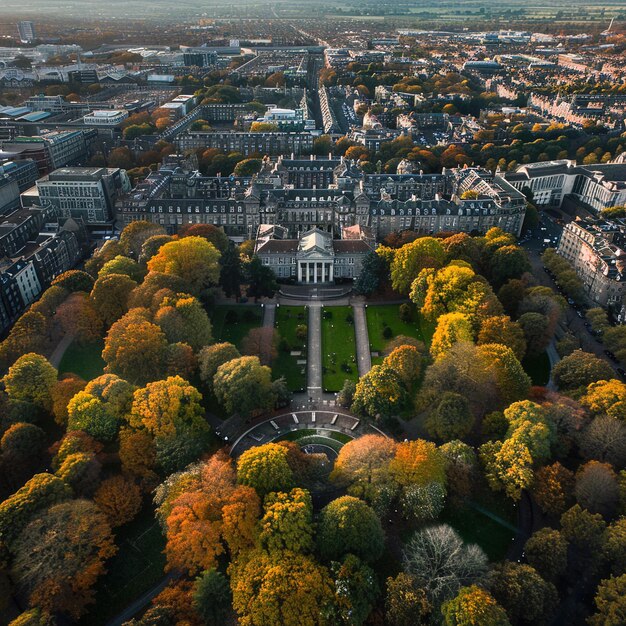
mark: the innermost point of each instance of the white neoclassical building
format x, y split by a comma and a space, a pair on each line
313, 258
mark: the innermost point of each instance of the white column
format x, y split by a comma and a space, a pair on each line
308, 272
299, 272
315, 272
332, 271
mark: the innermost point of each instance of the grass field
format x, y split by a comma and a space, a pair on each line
288, 318
386, 315
83, 360
232, 323
490, 522
136, 568
338, 348
538, 368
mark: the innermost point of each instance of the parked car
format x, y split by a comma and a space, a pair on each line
611, 356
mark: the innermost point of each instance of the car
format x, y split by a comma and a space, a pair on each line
580, 314
571, 301
611, 356
621, 372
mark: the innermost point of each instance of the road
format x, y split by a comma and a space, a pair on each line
571, 321
364, 356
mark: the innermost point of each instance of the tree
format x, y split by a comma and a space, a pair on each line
20, 448
525, 596
211, 233
437, 556
248, 167
205, 512
110, 295
261, 280
31, 379
546, 552
261, 342
611, 602
244, 386
345, 397
212, 598
265, 468
183, 319
73, 542
423, 503
349, 525
585, 532
596, 488
151, 246
604, 440
509, 262
473, 606
193, 259
356, 590
553, 488
417, 462
138, 454
536, 327
606, 397
580, 369
406, 603
211, 357
136, 234
73, 281
119, 499
81, 471
451, 328
507, 466
373, 272
615, 545
411, 258
230, 271
506, 371
90, 414
264, 591
287, 523
363, 465
461, 470
135, 348
378, 393
501, 330
79, 318
451, 418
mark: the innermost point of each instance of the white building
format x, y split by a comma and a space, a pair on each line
105, 118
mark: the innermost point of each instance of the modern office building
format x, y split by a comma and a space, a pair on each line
26, 31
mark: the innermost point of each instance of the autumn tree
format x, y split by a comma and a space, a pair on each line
553, 488
183, 319
20, 448
508, 466
78, 317
88, 413
244, 386
580, 369
31, 379
110, 295
406, 602
136, 234
261, 342
473, 606
74, 281
138, 455
151, 246
73, 542
417, 462
210, 232
501, 330
119, 499
135, 348
363, 465
610, 601
194, 259
604, 440
379, 393
287, 523
437, 556
615, 545
406, 361
596, 488
606, 397
264, 591
349, 525
413, 257
265, 468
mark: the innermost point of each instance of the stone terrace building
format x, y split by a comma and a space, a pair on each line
596, 249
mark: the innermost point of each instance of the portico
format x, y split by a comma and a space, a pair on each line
315, 271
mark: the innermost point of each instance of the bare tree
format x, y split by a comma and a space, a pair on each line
605, 440
444, 564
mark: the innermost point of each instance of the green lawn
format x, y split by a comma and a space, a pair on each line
83, 360
538, 368
232, 323
386, 315
489, 521
338, 347
288, 318
136, 568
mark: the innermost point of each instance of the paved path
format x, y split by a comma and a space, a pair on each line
554, 357
314, 353
363, 354
59, 351
269, 315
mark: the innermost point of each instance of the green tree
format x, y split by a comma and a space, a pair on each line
580, 369
380, 392
230, 271
451, 418
122, 265
546, 551
611, 602
349, 525
88, 413
74, 280
356, 590
373, 272
136, 234
266, 469
244, 386
509, 262
183, 319
413, 257
212, 598
261, 280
